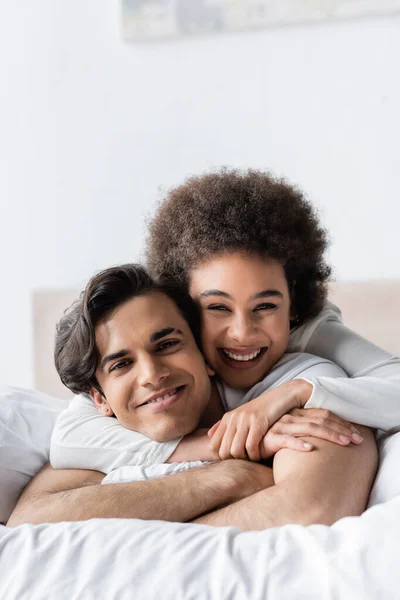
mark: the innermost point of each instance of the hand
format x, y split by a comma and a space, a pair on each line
310, 422
239, 433
244, 432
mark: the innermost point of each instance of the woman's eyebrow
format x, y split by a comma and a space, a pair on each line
208, 293
158, 335
257, 296
266, 294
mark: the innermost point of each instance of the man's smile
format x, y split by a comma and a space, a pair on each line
163, 399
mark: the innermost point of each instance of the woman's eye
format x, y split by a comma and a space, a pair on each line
217, 307
120, 365
265, 306
167, 345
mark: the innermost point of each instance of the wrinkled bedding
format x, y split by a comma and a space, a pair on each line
357, 558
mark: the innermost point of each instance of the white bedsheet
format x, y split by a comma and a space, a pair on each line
357, 558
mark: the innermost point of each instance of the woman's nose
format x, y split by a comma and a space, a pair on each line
241, 327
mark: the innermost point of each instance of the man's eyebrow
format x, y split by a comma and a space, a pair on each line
114, 356
161, 333
257, 296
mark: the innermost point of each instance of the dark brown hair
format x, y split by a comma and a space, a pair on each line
251, 211
75, 354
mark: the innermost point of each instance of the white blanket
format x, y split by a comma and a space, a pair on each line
357, 558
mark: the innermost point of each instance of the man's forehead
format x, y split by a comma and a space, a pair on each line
142, 316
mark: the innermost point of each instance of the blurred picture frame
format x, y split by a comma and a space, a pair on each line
167, 19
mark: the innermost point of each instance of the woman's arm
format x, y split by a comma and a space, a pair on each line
371, 394
84, 439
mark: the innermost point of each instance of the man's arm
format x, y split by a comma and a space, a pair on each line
321, 486
75, 495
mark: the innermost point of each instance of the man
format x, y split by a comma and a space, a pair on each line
129, 343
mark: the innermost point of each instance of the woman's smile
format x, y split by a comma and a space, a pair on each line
242, 359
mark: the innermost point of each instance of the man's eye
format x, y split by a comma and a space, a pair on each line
120, 365
265, 306
218, 307
168, 344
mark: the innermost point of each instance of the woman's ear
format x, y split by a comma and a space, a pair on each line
101, 403
210, 370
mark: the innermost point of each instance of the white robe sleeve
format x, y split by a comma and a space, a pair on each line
84, 439
371, 395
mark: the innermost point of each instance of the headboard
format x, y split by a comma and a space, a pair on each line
370, 308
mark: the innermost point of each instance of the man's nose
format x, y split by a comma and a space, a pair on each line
151, 372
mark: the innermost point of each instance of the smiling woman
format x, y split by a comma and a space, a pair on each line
231, 236
246, 319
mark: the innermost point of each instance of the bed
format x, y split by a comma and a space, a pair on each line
355, 558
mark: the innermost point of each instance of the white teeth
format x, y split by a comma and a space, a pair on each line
160, 398
242, 357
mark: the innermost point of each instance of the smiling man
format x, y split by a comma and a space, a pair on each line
151, 375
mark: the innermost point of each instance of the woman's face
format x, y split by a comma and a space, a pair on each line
245, 308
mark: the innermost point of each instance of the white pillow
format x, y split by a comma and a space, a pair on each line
387, 482
27, 419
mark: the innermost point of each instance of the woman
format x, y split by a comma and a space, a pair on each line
215, 216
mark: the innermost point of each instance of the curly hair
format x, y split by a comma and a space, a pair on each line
253, 212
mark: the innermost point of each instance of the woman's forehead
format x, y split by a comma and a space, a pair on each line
237, 271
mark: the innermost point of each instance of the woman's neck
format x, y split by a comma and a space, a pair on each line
214, 410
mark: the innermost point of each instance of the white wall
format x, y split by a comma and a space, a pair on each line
91, 128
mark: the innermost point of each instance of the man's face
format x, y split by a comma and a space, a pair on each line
153, 376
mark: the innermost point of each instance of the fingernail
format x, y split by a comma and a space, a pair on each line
345, 439
307, 445
356, 438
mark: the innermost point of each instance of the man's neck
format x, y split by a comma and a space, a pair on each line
214, 410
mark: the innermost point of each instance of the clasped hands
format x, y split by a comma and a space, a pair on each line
275, 420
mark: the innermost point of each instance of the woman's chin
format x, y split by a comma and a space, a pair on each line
240, 379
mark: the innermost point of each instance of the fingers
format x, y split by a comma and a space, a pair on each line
226, 442
293, 443
238, 446
253, 444
326, 419
217, 436
213, 429
333, 433
231, 441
